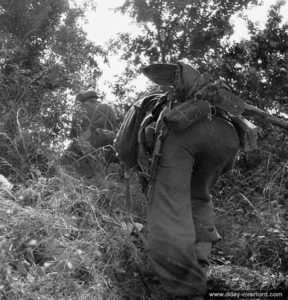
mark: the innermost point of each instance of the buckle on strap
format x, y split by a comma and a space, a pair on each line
212, 111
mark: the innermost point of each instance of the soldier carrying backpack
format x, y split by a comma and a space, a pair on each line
181, 142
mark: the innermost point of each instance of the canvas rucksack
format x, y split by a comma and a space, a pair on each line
126, 141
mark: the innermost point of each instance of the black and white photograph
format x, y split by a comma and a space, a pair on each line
143, 149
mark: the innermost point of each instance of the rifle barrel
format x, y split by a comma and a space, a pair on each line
271, 118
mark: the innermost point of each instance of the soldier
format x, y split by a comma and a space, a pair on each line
93, 124
180, 210
196, 143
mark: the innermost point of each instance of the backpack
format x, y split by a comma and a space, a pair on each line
126, 142
136, 138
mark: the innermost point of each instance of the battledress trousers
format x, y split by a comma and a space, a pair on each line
180, 212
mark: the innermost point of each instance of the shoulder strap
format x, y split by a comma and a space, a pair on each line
148, 162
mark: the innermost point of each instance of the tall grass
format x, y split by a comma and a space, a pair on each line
70, 236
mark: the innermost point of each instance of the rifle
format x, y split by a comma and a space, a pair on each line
155, 159
236, 106
275, 120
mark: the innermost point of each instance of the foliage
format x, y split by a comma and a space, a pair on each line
123, 89
44, 54
257, 68
171, 30
68, 238
45, 57
73, 238
177, 29
252, 203
23, 157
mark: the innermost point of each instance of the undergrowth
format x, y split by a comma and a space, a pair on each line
67, 236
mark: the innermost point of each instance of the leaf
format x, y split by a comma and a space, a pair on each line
69, 265
127, 228
139, 226
32, 243
21, 268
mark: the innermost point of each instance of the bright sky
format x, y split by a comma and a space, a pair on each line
104, 24
256, 14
